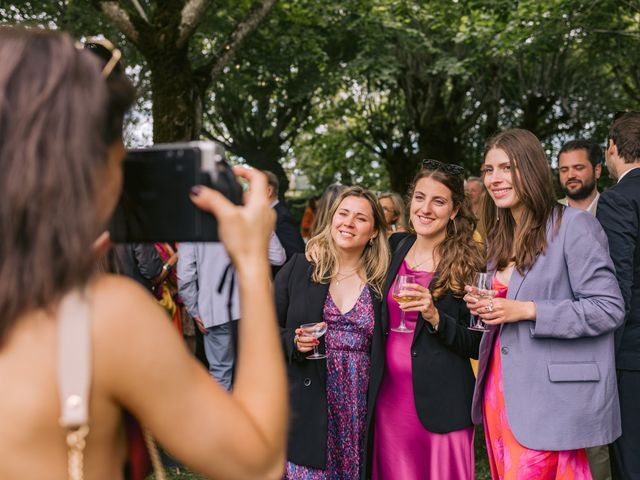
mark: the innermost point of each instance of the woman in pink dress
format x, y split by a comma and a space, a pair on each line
421, 382
546, 386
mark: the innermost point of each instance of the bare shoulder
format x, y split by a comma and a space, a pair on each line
108, 287
133, 340
126, 318
117, 299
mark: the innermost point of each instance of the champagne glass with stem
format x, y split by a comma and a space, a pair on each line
480, 290
402, 296
315, 330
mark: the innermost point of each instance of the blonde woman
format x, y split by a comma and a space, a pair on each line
342, 290
394, 211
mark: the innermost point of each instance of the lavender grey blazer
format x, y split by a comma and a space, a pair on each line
559, 371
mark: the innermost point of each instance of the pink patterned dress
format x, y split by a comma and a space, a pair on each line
508, 459
348, 343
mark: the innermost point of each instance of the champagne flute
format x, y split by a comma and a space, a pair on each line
315, 330
480, 290
398, 288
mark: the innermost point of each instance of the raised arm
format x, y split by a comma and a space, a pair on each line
224, 436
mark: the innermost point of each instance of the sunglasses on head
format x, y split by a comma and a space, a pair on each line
107, 51
448, 168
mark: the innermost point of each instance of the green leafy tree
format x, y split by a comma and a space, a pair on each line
263, 102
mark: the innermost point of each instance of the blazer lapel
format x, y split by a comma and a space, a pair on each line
396, 262
515, 282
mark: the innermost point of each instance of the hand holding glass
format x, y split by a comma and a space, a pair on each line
402, 296
480, 291
315, 330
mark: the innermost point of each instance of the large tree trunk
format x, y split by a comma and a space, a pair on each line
401, 168
177, 101
162, 34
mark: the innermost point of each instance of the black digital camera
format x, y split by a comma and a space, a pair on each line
155, 204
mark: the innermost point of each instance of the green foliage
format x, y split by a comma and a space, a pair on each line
362, 90
435, 79
261, 103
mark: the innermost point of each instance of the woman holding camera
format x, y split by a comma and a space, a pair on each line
61, 153
339, 292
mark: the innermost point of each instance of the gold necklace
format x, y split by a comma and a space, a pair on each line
344, 277
416, 265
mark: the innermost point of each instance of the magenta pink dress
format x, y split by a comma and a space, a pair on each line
403, 448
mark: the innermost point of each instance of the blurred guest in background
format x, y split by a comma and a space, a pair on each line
287, 232
394, 211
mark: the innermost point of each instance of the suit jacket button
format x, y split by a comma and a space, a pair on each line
414, 353
307, 382
505, 350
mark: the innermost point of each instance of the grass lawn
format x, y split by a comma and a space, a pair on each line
482, 466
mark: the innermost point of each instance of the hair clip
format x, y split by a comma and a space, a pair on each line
448, 168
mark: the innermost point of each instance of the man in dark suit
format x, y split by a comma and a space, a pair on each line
287, 231
619, 214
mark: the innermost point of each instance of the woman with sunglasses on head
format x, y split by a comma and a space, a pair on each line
421, 378
339, 291
546, 385
61, 158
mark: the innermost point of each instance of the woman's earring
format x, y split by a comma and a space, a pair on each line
371, 241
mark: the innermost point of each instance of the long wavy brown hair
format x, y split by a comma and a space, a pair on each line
57, 119
533, 184
375, 257
460, 255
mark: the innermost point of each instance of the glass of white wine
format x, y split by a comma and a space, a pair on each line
402, 296
315, 330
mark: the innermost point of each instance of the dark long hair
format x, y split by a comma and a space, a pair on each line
533, 184
460, 255
57, 119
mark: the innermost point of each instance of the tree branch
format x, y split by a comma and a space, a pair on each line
214, 130
241, 32
140, 10
190, 17
120, 18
